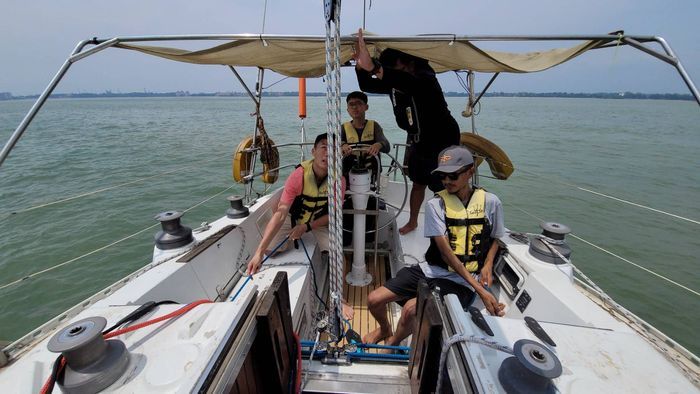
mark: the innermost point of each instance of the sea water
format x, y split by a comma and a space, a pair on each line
135, 157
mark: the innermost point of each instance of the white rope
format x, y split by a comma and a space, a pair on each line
338, 228
77, 196
35, 274
464, 338
335, 221
609, 253
614, 198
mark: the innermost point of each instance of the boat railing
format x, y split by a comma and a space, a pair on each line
395, 164
255, 151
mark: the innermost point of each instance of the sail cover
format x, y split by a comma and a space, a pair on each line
305, 57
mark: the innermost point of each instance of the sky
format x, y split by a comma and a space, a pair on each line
37, 36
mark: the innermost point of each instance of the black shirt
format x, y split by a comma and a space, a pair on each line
419, 107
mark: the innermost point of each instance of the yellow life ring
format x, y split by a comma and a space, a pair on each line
243, 163
499, 163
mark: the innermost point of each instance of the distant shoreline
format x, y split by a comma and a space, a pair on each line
622, 95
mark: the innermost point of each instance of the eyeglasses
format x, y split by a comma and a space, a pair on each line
451, 176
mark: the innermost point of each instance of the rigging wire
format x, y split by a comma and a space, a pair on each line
264, 17
613, 254
104, 189
35, 274
462, 82
608, 196
275, 83
613, 198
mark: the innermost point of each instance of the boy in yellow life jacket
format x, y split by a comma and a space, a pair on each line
302, 208
361, 130
463, 224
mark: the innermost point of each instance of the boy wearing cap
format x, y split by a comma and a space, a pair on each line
462, 223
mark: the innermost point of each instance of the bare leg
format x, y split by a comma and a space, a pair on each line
417, 196
406, 324
376, 303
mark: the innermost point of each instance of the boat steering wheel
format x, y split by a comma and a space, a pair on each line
363, 148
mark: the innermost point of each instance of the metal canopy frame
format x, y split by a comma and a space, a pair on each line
637, 42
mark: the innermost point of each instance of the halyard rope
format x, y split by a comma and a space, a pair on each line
334, 162
338, 203
35, 274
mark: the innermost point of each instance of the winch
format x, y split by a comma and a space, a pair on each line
530, 370
92, 363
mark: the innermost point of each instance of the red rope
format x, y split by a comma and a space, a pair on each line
170, 315
297, 382
183, 310
49, 381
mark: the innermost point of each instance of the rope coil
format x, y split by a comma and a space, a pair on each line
269, 155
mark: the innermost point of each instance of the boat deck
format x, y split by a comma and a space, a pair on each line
363, 322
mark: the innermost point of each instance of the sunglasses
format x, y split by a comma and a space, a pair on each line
451, 176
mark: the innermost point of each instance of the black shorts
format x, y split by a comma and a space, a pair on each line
420, 164
405, 285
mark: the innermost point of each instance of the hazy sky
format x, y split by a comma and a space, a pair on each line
36, 36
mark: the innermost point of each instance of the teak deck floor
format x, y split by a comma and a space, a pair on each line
363, 322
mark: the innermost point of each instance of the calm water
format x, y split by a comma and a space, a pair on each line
643, 151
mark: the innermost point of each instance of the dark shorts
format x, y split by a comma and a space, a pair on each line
420, 164
405, 285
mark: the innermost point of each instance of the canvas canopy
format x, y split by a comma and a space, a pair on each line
305, 57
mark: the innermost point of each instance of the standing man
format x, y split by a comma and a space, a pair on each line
419, 108
463, 224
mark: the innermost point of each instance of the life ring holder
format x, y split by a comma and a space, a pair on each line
242, 163
364, 147
499, 163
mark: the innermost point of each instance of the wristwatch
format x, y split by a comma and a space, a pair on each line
377, 66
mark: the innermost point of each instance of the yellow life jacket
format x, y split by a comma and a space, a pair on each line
312, 203
468, 231
352, 137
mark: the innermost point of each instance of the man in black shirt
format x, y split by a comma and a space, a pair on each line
419, 108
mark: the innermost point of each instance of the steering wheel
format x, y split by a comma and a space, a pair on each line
364, 148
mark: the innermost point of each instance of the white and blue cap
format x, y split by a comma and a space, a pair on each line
453, 159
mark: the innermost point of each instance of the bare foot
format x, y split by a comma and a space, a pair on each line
407, 228
376, 336
348, 311
389, 341
386, 351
